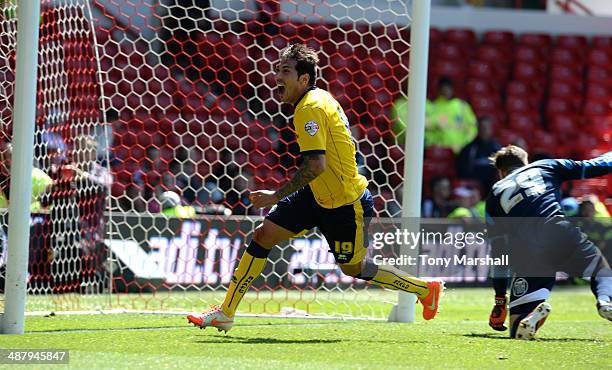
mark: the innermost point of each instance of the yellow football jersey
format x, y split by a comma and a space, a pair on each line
321, 126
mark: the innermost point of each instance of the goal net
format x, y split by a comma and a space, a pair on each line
155, 118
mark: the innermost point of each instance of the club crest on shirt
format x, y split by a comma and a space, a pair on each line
520, 287
311, 127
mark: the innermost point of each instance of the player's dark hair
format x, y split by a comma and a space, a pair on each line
509, 157
306, 60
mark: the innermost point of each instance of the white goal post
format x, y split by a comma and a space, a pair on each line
413, 149
174, 96
21, 171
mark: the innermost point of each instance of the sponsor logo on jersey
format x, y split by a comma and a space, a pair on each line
311, 128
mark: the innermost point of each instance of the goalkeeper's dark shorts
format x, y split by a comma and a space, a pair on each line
552, 246
565, 249
345, 228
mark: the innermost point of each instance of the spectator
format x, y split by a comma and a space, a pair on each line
41, 182
601, 212
473, 160
570, 206
151, 163
450, 121
439, 205
64, 221
469, 204
86, 165
148, 183
171, 206
399, 115
226, 184
599, 232
92, 182
38, 262
187, 179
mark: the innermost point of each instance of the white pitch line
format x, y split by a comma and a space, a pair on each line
177, 327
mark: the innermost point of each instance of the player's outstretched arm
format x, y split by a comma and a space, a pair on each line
575, 170
312, 166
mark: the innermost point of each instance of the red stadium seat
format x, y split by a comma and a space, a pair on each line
436, 36
506, 136
566, 72
600, 75
522, 103
488, 70
601, 57
539, 40
498, 118
543, 140
518, 88
597, 108
596, 91
481, 70
449, 51
583, 142
485, 103
493, 54
600, 126
565, 89
461, 36
496, 37
524, 123
566, 56
529, 54
558, 105
529, 71
436, 168
476, 86
564, 125
572, 42
542, 147
452, 69
602, 42
439, 153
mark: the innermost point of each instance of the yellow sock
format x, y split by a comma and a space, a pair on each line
392, 278
249, 268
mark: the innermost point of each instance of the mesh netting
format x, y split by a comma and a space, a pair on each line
147, 97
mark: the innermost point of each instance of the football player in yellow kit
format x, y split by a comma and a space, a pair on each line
326, 192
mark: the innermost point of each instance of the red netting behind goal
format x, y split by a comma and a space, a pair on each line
177, 96
67, 217
204, 97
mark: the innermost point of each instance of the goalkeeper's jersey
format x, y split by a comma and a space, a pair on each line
322, 127
533, 190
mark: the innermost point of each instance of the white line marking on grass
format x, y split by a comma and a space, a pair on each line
85, 330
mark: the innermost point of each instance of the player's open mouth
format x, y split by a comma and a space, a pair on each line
280, 90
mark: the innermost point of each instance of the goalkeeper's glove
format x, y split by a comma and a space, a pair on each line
498, 314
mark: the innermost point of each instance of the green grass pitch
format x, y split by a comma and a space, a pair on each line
573, 337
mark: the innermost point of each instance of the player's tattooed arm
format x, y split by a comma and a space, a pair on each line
312, 166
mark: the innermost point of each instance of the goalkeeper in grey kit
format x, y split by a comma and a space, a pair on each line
526, 220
